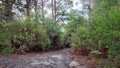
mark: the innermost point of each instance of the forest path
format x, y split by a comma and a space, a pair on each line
52, 59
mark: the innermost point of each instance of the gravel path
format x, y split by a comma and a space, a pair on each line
53, 59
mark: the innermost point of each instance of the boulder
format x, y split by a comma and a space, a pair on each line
74, 64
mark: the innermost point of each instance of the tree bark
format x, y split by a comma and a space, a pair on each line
8, 10
36, 17
43, 12
54, 11
28, 9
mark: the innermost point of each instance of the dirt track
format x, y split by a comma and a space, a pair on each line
52, 59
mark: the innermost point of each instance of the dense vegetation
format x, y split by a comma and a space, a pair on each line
24, 37
99, 34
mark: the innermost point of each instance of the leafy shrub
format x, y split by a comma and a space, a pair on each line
81, 39
6, 50
80, 36
33, 36
27, 37
23, 37
106, 64
107, 31
55, 34
5, 39
106, 21
75, 21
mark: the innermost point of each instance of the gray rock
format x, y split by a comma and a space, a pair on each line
61, 64
46, 62
74, 64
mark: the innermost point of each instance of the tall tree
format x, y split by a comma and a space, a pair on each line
55, 11
62, 7
53, 2
7, 9
36, 16
43, 12
28, 2
52, 11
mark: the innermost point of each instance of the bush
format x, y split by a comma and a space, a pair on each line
5, 39
107, 31
78, 29
6, 50
81, 40
55, 34
106, 64
23, 37
31, 36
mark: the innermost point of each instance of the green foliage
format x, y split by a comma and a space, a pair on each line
101, 31
107, 30
5, 39
81, 37
74, 23
106, 21
55, 34
78, 31
106, 64
24, 37
30, 36
6, 50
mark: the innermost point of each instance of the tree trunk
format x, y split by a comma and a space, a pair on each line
8, 10
43, 11
28, 9
54, 11
89, 8
36, 17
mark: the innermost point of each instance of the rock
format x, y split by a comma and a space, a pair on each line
57, 58
43, 64
61, 64
96, 52
46, 62
74, 64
